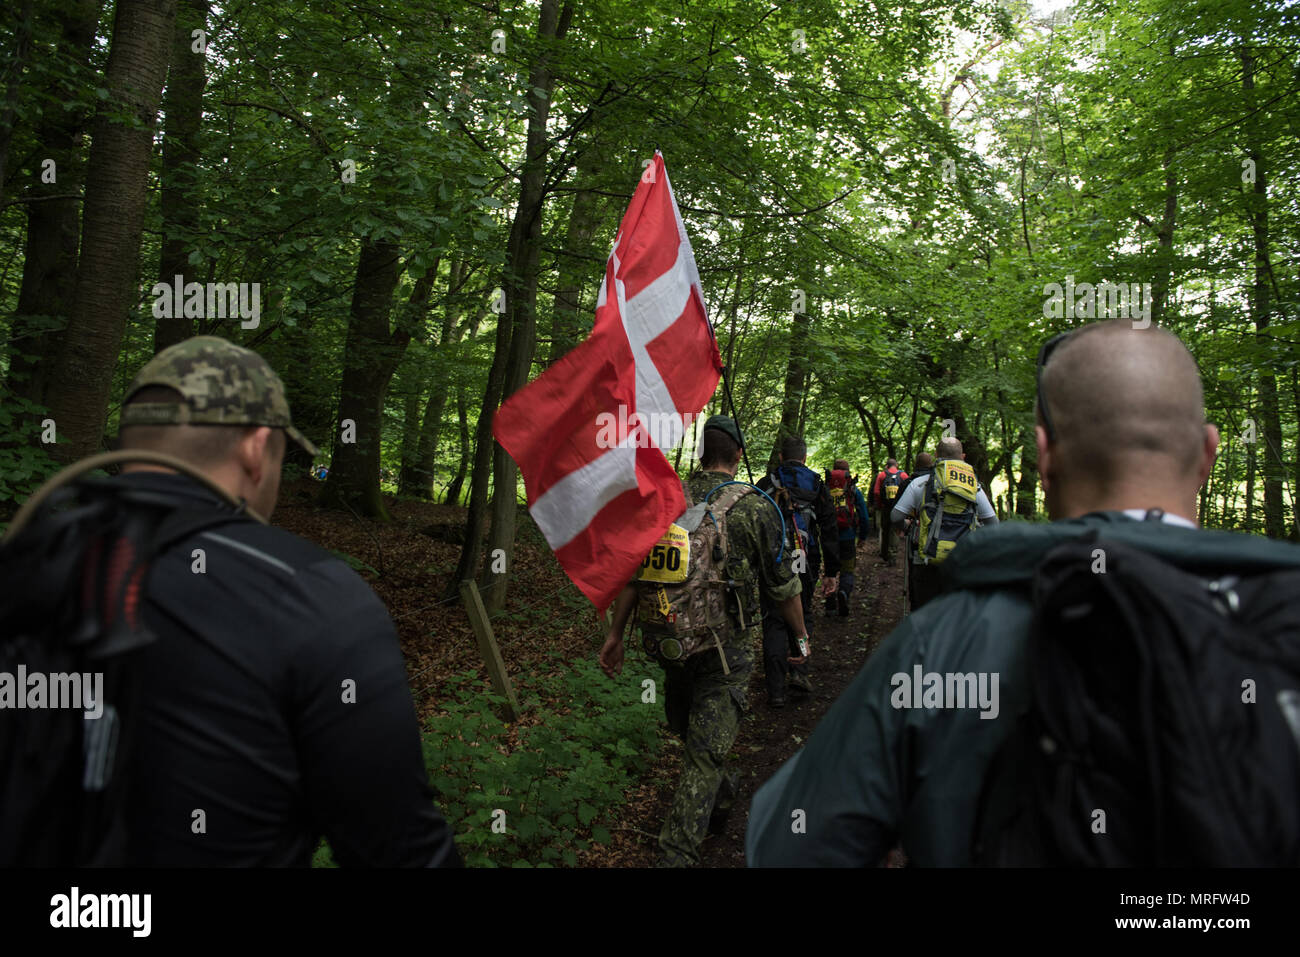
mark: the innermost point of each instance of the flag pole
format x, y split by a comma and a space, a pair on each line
726, 391
726, 380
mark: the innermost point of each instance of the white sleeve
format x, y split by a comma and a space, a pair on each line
984, 510
907, 505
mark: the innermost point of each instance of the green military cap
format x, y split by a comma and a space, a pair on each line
222, 384
726, 424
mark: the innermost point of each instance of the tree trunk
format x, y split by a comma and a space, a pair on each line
1027, 488
116, 180
1261, 309
462, 417
796, 379
1294, 531
522, 266
875, 438
419, 480
909, 448
369, 358
183, 112
310, 391
53, 225
569, 319
410, 435
1165, 239
1250, 488
16, 67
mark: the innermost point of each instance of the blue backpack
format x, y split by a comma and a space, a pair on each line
795, 491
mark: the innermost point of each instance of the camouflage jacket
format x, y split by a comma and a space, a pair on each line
753, 543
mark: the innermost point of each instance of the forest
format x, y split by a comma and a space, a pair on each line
406, 206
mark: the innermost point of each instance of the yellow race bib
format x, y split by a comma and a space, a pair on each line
959, 478
669, 560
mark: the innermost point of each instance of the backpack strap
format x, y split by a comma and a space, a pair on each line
79, 468
730, 495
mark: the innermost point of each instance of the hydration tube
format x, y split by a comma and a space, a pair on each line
781, 548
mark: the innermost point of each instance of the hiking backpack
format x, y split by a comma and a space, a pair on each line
795, 492
1164, 724
889, 488
948, 510
841, 486
685, 589
75, 563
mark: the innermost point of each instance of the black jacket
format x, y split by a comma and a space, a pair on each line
275, 702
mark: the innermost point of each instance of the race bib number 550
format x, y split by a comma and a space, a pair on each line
670, 558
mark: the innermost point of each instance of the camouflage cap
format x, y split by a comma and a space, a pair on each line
222, 383
725, 424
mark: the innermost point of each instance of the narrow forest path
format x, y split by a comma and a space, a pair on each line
409, 561
767, 738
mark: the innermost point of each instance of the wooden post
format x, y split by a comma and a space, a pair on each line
487, 646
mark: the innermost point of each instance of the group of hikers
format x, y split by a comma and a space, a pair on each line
1116, 686
822, 519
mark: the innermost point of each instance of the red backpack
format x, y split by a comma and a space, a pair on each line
841, 485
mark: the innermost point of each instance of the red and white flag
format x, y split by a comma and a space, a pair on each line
590, 433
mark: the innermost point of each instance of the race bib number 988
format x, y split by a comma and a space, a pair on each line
670, 558
959, 478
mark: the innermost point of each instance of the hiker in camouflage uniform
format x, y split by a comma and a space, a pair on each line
705, 702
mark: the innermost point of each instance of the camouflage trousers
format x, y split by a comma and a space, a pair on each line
704, 708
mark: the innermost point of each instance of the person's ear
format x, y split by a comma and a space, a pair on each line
1209, 449
1044, 456
252, 453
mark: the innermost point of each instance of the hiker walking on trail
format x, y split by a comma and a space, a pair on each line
851, 520
813, 534
884, 493
932, 515
923, 465
268, 704
1116, 687
706, 685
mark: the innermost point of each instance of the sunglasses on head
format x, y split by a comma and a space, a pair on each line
1043, 355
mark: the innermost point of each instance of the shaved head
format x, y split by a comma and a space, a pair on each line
1128, 411
949, 448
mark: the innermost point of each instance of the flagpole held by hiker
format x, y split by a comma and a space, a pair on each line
693, 560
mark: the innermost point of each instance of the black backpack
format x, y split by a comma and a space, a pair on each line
891, 488
75, 565
1140, 747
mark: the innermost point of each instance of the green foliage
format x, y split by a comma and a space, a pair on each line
324, 856
24, 462
562, 770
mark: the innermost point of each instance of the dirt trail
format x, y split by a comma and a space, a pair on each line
767, 738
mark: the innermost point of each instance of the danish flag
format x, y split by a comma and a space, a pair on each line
589, 434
